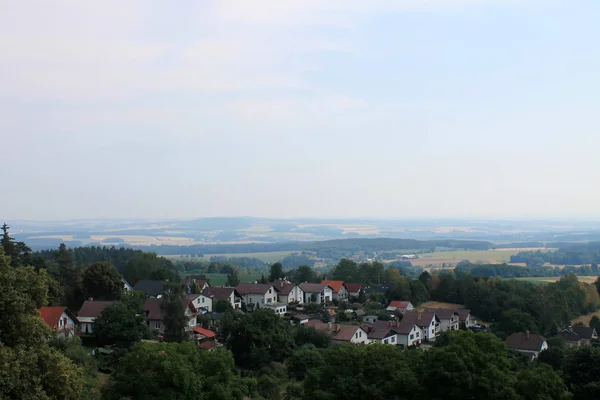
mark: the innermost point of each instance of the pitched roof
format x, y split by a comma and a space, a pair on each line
419, 318
463, 313
150, 287
218, 293
51, 315
93, 309
283, 287
209, 345
205, 332
443, 313
200, 282
525, 341
404, 327
335, 285
353, 287
584, 332
312, 287
155, 313
253, 288
571, 337
338, 331
380, 329
399, 304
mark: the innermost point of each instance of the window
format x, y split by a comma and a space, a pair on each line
393, 339
270, 291
432, 323
412, 337
418, 334
203, 299
157, 325
385, 341
356, 335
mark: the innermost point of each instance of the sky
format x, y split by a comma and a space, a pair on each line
297, 108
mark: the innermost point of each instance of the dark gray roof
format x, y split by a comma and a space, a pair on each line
525, 341
584, 332
219, 293
312, 287
253, 288
149, 287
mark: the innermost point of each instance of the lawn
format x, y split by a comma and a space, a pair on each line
221, 279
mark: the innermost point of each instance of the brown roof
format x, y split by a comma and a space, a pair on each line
525, 341
312, 287
353, 287
404, 327
442, 313
338, 332
399, 304
155, 313
200, 282
419, 318
380, 329
93, 309
283, 287
218, 293
253, 288
335, 285
463, 313
584, 332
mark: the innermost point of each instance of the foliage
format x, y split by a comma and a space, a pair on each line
173, 306
221, 306
276, 272
258, 338
302, 274
149, 266
119, 325
102, 281
303, 360
233, 279
308, 335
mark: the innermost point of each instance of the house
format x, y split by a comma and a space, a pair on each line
354, 289
299, 319
188, 284
90, 310
316, 292
401, 306
126, 286
382, 332
60, 319
208, 345
150, 288
527, 343
339, 291
155, 315
579, 335
409, 334
370, 319
228, 294
341, 333
202, 303
465, 318
257, 293
287, 292
277, 308
449, 318
428, 321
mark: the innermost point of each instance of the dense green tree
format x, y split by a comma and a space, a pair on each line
595, 323
222, 306
303, 360
541, 383
308, 335
233, 278
515, 320
304, 273
346, 270
173, 307
102, 281
418, 292
18, 252
149, 266
258, 338
119, 325
582, 372
276, 272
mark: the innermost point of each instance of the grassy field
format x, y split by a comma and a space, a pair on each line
439, 304
495, 256
221, 279
550, 279
265, 257
585, 319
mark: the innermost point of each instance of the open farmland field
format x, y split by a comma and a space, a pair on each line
439, 304
496, 256
585, 319
550, 279
269, 257
221, 279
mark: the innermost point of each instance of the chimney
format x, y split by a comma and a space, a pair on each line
329, 326
337, 327
527, 333
90, 299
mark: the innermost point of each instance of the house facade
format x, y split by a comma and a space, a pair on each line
409, 334
257, 293
287, 292
228, 294
201, 302
316, 292
277, 308
90, 310
465, 318
449, 318
338, 289
60, 319
382, 332
354, 289
427, 321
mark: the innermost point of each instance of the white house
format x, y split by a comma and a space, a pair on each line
465, 318
316, 292
228, 294
426, 320
382, 332
338, 288
60, 319
155, 315
257, 293
449, 318
341, 333
409, 334
278, 308
90, 310
527, 343
201, 302
401, 306
126, 286
287, 292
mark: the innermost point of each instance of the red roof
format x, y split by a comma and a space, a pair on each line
207, 345
51, 315
205, 332
335, 285
399, 304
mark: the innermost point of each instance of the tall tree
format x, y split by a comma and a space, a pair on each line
119, 325
346, 270
304, 273
233, 278
276, 272
173, 307
102, 281
18, 252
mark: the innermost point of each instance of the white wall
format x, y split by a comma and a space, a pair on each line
203, 302
360, 337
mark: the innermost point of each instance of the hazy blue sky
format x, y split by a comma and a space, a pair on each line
397, 108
